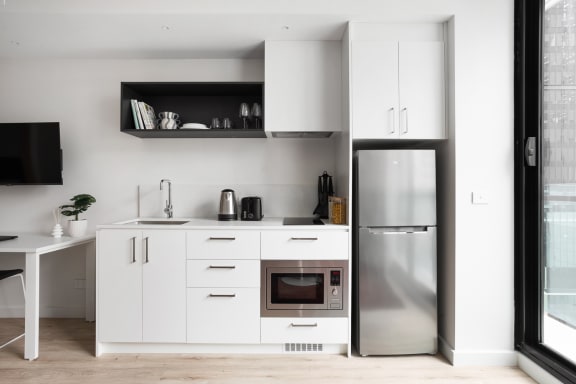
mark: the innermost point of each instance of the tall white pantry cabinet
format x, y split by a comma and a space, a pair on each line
398, 90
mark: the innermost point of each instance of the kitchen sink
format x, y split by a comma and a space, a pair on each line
157, 222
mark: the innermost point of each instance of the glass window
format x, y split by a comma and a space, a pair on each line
559, 177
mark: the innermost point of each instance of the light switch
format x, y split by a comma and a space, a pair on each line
479, 197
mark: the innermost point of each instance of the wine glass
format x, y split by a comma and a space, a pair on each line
257, 114
244, 113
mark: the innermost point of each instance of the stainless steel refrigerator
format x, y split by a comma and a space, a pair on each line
395, 311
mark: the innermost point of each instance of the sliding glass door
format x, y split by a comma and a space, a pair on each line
559, 177
545, 98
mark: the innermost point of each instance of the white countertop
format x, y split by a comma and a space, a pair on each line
202, 223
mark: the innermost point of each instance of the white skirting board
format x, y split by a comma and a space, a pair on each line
103, 348
494, 358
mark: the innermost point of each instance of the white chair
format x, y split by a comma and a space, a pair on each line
6, 274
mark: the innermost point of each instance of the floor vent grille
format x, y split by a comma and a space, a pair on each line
303, 347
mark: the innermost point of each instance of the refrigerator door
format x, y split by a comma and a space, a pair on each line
396, 188
397, 292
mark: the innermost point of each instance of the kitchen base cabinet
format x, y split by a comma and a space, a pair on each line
223, 279
141, 286
304, 330
198, 291
224, 315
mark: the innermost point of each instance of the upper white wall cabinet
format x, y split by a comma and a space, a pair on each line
398, 89
302, 88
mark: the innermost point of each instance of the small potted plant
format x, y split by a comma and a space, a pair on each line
81, 203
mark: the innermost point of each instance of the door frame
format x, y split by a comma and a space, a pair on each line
528, 282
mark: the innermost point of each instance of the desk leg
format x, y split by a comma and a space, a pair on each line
90, 314
32, 314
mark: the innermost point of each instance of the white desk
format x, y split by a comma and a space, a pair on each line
32, 246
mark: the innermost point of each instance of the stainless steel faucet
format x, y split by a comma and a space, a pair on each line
168, 210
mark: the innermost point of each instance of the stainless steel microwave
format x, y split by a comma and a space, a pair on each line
304, 288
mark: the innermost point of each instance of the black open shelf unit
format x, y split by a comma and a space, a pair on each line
194, 103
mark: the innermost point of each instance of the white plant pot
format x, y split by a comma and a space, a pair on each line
77, 228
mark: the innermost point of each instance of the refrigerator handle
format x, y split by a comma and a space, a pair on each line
397, 230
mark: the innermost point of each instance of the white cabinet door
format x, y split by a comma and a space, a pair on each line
422, 90
119, 286
164, 286
224, 315
398, 90
141, 286
374, 77
303, 86
305, 330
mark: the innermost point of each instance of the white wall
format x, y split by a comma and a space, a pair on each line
84, 96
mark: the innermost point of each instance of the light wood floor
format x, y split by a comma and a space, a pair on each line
66, 357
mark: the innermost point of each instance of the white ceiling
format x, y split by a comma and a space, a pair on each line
179, 28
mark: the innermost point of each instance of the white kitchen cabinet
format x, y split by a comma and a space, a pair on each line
302, 86
223, 244
141, 290
223, 273
223, 279
224, 315
398, 90
304, 330
304, 245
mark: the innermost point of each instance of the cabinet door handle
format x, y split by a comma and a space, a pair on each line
133, 249
222, 238
391, 113
304, 238
303, 325
222, 295
222, 267
147, 260
404, 121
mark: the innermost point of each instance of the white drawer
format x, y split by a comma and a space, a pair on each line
223, 273
304, 330
223, 244
233, 318
305, 245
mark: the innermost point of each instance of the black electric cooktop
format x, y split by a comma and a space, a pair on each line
302, 221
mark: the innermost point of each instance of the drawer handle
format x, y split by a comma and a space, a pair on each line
303, 325
222, 238
222, 295
304, 238
222, 267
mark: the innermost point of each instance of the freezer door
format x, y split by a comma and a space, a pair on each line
397, 292
396, 187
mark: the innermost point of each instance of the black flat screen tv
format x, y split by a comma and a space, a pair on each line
30, 154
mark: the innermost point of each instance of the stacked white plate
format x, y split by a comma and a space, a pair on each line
194, 126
